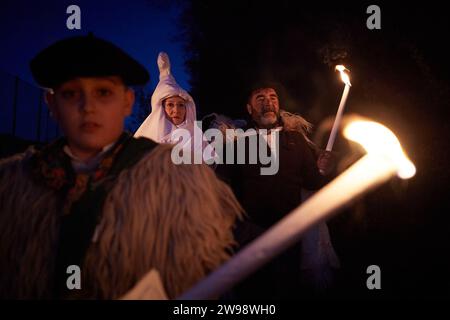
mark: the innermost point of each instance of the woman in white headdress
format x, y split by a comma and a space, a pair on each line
172, 107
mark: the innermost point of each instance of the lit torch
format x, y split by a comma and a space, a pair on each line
337, 121
384, 159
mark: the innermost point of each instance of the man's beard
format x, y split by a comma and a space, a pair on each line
269, 122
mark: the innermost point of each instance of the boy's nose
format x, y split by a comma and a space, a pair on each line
87, 103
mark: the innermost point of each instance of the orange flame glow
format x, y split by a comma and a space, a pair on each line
344, 74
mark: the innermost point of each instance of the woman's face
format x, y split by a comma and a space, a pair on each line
175, 109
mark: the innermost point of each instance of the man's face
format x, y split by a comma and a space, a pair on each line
91, 112
264, 107
175, 109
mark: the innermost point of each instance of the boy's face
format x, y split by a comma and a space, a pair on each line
91, 112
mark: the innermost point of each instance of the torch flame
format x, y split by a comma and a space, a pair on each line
344, 74
377, 139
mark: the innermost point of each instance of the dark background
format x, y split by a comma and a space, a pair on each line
400, 76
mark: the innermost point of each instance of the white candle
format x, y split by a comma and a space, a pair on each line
370, 171
337, 121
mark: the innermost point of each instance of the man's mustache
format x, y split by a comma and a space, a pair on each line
269, 109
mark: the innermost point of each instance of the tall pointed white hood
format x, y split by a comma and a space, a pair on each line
157, 127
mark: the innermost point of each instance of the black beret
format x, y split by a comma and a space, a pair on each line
85, 56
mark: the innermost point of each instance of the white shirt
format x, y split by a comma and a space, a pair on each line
89, 165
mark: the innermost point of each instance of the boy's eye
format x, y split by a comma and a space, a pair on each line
104, 92
68, 93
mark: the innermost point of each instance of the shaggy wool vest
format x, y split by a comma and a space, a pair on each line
176, 219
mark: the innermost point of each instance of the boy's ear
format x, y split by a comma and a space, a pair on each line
49, 99
129, 101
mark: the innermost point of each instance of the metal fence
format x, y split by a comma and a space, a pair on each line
23, 113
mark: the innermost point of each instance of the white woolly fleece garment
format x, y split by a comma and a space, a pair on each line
176, 219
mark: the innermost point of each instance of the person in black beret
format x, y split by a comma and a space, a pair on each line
92, 213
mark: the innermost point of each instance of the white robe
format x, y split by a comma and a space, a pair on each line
156, 126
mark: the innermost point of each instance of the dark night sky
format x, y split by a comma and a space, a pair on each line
142, 28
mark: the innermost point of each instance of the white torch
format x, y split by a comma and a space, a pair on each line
337, 121
384, 159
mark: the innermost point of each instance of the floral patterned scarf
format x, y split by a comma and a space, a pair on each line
52, 166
